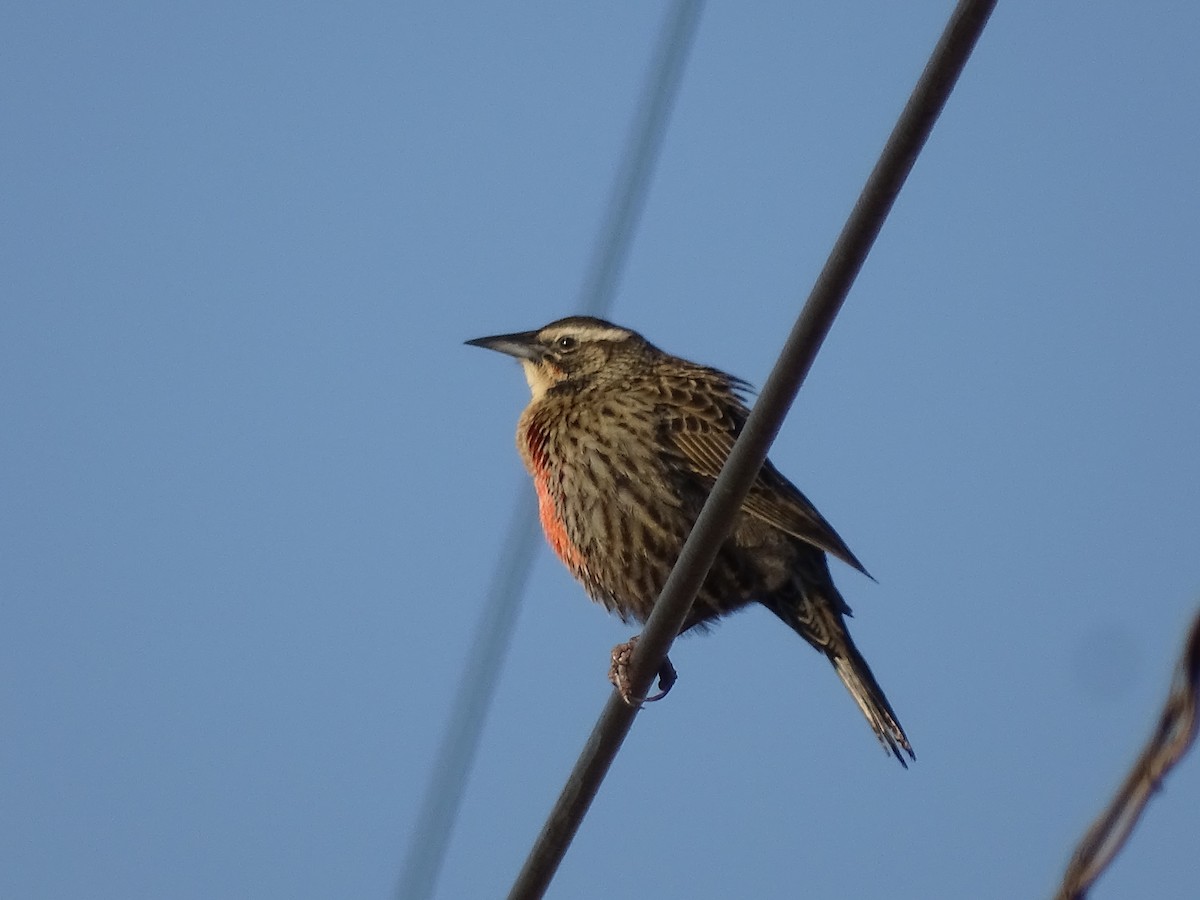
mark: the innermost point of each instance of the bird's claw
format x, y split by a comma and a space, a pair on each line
618, 674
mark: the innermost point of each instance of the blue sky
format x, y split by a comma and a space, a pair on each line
252, 486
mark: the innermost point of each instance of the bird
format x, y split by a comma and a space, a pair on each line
623, 442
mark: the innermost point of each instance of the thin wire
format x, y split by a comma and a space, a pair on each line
645, 142
713, 525
1174, 735
460, 743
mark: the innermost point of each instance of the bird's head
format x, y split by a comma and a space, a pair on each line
579, 350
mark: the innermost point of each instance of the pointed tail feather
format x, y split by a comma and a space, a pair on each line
859, 680
816, 611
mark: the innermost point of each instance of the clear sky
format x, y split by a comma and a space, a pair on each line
252, 486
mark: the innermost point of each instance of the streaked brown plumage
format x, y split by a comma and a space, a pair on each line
624, 443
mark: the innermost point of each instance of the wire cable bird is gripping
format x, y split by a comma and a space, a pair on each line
946, 63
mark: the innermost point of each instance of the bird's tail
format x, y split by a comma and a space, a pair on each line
860, 681
817, 612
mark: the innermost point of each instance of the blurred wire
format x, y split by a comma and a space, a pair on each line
435, 820
645, 141
1172, 738
456, 754
713, 525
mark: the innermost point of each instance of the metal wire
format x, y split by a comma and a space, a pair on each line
712, 527
1174, 735
460, 743
645, 142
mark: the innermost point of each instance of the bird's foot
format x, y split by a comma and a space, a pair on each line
618, 674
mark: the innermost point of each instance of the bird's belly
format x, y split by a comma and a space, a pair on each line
618, 520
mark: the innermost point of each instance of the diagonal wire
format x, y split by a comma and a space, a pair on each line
1171, 739
460, 743
908, 137
633, 177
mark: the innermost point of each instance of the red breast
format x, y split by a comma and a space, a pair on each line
548, 483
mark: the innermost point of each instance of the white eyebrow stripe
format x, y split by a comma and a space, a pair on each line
591, 333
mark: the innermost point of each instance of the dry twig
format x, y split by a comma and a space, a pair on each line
1170, 741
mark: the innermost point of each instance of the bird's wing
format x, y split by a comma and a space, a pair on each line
703, 431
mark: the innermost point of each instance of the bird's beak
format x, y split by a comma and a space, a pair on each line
523, 345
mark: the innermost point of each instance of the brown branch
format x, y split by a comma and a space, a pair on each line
1170, 741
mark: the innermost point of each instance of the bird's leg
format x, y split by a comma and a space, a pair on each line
667, 676
618, 674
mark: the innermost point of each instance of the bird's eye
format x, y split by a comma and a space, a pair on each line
566, 342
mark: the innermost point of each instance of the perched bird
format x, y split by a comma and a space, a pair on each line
624, 443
